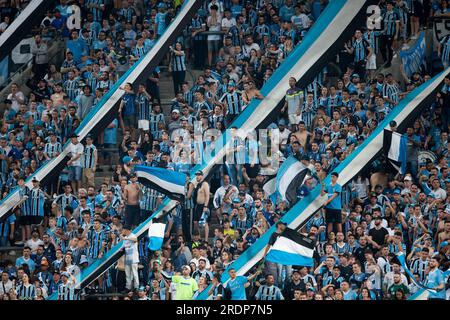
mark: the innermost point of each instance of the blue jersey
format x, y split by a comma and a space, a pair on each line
5, 226
237, 288
336, 202
436, 278
35, 203
96, 240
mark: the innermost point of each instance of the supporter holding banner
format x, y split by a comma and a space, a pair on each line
414, 58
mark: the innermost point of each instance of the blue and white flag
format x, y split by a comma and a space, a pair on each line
156, 236
291, 175
414, 57
270, 189
4, 70
292, 249
168, 182
395, 149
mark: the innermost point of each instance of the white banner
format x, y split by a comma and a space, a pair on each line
22, 52
441, 28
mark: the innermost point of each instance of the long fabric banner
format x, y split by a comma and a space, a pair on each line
413, 58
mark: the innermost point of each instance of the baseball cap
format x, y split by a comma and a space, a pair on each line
407, 178
444, 244
175, 110
199, 173
65, 274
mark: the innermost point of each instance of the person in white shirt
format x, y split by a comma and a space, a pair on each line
16, 96
228, 21
224, 196
389, 276
5, 284
76, 150
437, 191
130, 246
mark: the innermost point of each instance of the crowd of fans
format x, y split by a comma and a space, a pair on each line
68, 224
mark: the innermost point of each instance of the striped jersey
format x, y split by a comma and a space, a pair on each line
96, 240
178, 62
64, 200
149, 199
390, 19
360, 47
96, 12
154, 120
139, 52
144, 106
52, 149
372, 38
233, 101
88, 158
419, 266
66, 291
445, 53
26, 292
269, 293
391, 91
71, 88
35, 202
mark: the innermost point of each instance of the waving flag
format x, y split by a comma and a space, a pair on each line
4, 70
395, 149
292, 249
168, 182
156, 236
291, 175
401, 259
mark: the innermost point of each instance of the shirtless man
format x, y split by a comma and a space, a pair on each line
201, 201
302, 134
444, 235
131, 195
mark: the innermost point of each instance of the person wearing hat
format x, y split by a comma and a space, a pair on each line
130, 246
201, 199
185, 285
66, 289
76, 150
89, 161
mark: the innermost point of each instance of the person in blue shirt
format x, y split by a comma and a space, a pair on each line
78, 47
237, 284
436, 280
333, 206
7, 230
127, 108
26, 259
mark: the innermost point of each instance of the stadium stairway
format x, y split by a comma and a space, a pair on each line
408, 109
106, 110
321, 43
31, 15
